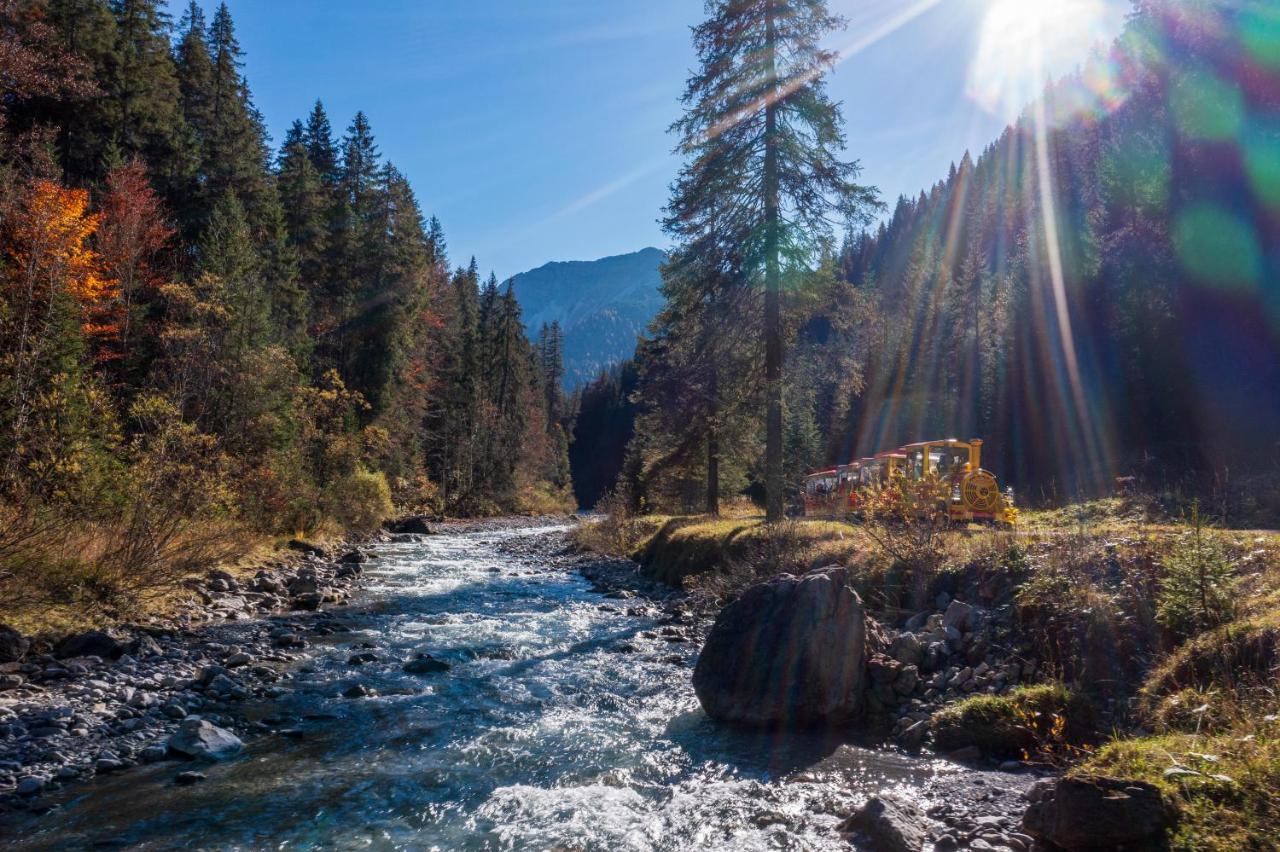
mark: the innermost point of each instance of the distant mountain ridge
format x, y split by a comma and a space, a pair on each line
601, 305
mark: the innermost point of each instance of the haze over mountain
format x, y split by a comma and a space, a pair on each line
601, 306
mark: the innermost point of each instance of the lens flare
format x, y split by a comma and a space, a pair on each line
1025, 42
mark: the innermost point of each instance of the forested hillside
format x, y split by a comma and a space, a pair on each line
203, 335
1095, 295
598, 307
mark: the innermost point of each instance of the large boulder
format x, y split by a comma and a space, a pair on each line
201, 739
789, 651
415, 525
1095, 812
94, 643
13, 645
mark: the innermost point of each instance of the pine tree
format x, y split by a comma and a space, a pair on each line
318, 140
228, 254
233, 143
86, 29
145, 98
763, 171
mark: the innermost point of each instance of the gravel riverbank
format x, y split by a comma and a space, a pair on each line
103, 701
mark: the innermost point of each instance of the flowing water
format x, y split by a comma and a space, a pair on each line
560, 726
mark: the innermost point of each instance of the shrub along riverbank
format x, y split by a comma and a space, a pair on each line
1104, 638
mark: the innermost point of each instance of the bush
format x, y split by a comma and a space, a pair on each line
117, 550
1199, 584
1047, 722
362, 501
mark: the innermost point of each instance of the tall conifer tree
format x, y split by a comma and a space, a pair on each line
764, 173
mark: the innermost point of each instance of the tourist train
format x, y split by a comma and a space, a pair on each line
948, 471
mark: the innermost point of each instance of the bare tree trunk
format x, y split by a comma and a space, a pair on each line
713, 450
773, 484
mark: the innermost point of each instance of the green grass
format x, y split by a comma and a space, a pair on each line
1227, 786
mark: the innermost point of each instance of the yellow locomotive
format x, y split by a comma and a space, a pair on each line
934, 475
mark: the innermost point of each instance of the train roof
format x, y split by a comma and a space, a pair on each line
948, 442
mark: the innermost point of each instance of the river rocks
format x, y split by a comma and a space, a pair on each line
359, 690
425, 664
959, 616
200, 739
13, 645
890, 825
307, 547
418, 525
94, 643
308, 601
29, 785
1096, 812
789, 651
907, 649
186, 779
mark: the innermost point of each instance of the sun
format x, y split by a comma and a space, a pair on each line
1024, 42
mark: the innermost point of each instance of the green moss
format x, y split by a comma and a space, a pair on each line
1226, 786
1024, 723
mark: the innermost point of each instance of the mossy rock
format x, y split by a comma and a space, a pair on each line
1017, 724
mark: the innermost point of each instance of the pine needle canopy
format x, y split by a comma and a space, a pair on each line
760, 86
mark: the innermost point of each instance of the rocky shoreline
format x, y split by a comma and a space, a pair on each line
103, 701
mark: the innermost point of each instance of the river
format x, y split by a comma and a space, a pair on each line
561, 725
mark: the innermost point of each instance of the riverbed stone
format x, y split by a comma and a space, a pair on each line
199, 738
92, 643
789, 651
13, 645
425, 664
891, 825
1097, 812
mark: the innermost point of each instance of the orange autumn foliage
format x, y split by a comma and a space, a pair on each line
47, 241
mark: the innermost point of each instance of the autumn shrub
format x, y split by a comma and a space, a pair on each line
169, 515
419, 496
906, 523
361, 501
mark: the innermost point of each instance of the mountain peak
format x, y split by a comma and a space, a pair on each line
601, 305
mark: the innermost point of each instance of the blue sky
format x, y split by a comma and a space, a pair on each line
537, 129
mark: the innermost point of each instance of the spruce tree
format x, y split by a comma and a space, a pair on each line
86, 29
145, 98
318, 140
764, 172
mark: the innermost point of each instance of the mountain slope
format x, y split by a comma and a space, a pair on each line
601, 306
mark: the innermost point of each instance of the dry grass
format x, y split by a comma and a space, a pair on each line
79, 573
